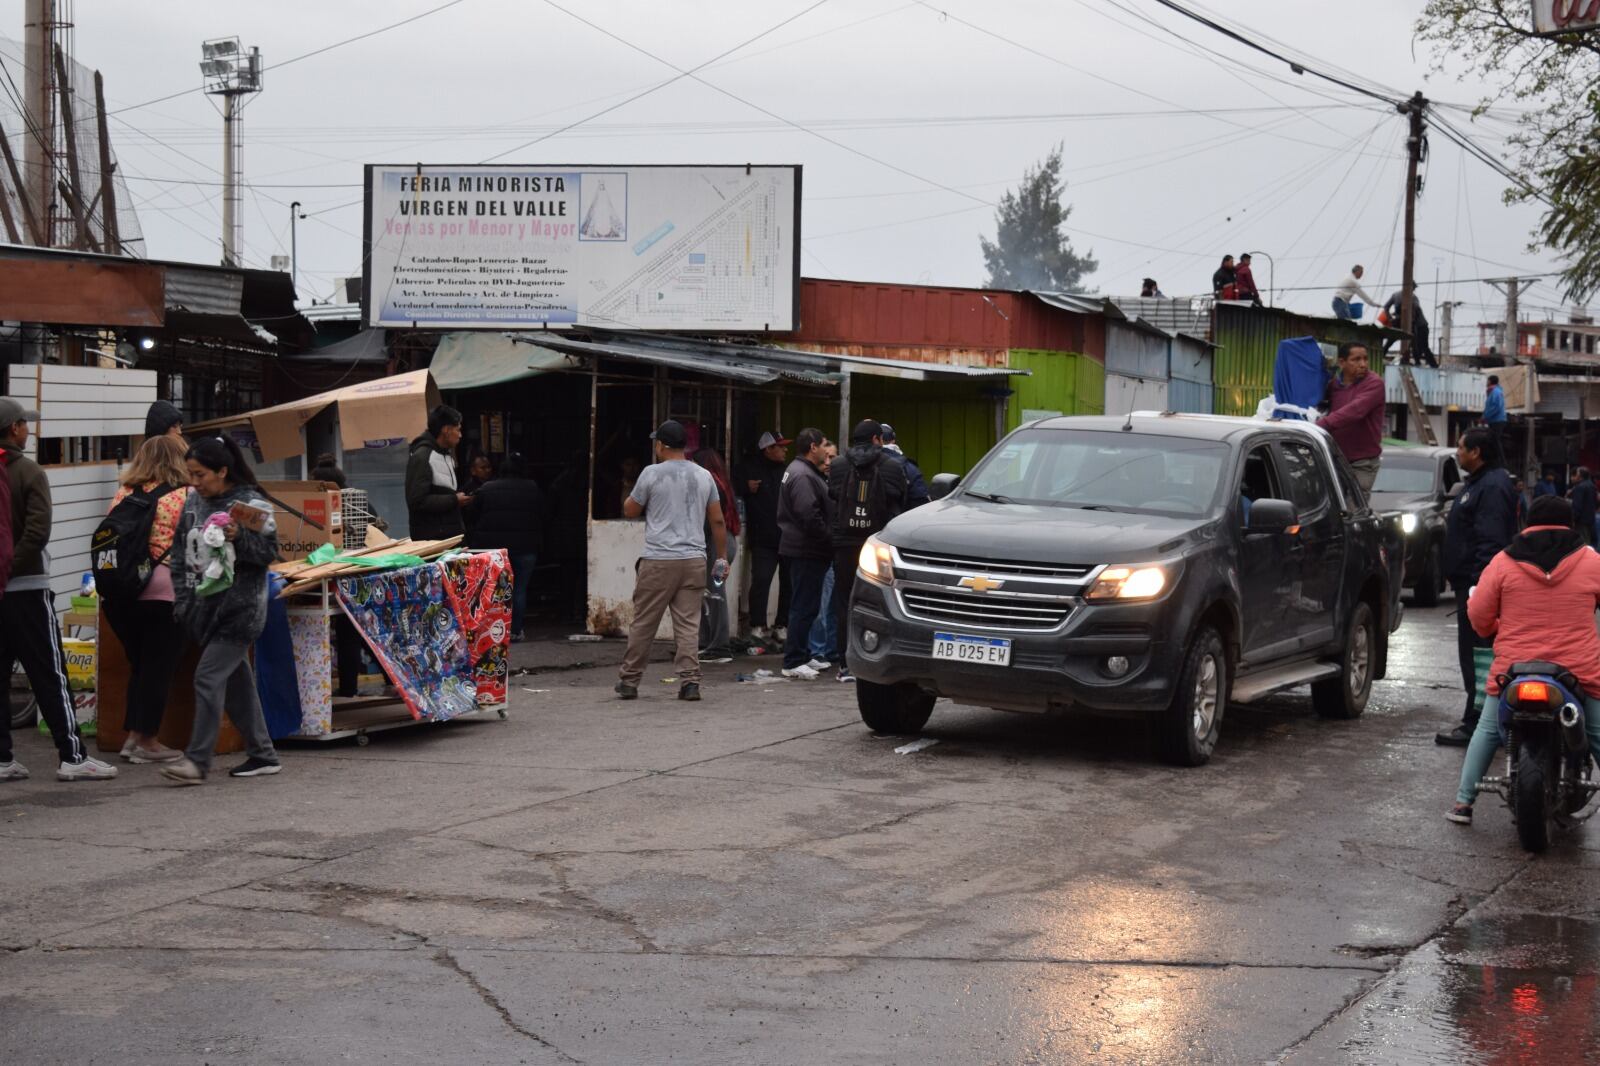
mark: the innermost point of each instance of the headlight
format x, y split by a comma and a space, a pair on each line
876, 562
1128, 583
1408, 523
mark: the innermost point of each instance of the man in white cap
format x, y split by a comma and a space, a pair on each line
29, 631
759, 482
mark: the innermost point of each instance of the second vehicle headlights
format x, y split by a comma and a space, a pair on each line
1408, 523
1127, 583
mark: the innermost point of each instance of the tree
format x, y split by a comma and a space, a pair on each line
1557, 142
1029, 250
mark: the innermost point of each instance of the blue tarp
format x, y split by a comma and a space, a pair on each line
1298, 376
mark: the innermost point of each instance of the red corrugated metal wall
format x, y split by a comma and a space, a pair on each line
936, 324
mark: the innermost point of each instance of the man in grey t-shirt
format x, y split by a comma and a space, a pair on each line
678, 501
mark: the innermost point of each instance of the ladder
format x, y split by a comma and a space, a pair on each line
1419, 411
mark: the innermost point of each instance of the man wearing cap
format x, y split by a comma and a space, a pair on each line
803, 519
869, 486
678, 501
760, 480
916, 487
29, 631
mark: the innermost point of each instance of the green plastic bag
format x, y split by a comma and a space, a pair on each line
1482, 663
329, 554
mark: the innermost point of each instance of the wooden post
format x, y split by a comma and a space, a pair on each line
28, 217
75, 200
108, 193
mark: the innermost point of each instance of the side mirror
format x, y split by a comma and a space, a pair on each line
943, 485
1272, 516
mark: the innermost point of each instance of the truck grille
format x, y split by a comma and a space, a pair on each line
990, 566
983, 611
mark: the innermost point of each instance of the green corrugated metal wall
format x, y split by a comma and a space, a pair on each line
1247, 346
946, 426
1068, 382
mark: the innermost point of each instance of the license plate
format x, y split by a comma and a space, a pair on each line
989, 651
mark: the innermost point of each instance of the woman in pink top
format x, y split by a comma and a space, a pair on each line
1537, 598
148, 632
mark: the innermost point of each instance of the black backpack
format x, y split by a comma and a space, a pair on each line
119, 549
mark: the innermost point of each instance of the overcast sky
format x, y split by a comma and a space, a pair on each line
950, 100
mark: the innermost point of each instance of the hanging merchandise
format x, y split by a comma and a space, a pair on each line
479, 587
407, 620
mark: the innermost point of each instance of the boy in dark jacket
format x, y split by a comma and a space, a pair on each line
432, 500
758, 483
806, 541
509, 513
29, 631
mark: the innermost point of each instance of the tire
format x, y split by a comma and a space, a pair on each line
24, 709
897, 709
1346, 696
1430, 583
1190, 727
1531, 803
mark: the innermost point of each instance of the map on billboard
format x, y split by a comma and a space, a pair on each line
711, 248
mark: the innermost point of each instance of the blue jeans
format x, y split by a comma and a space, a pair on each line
1342, 309
805, 599
1486, 738
824, 638
521, 576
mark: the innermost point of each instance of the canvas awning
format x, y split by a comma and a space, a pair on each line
473, 360
388, 409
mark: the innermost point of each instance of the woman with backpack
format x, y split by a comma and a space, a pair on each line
223, 608
158, 482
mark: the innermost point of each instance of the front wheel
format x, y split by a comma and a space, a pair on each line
897, 709
1346, 696
1193, 722
1532, 802
24, 709
1430, 583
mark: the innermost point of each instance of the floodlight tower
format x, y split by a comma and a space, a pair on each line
232, 73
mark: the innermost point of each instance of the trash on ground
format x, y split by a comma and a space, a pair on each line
669, 681
534, 690
915, 746
585, 638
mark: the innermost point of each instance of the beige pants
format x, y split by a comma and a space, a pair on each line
1366, 471
663, 584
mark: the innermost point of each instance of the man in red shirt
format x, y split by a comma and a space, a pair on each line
1355, 413
1244, 281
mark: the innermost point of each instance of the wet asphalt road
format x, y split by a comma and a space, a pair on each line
758, 879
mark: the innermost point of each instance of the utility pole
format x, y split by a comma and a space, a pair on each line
42, 29
1513, 288
1416, 148
231, 73
1447, 317
294, 246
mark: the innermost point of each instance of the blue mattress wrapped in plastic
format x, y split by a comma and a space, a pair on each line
1298, 376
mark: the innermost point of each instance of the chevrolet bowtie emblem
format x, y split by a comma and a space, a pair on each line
979, 583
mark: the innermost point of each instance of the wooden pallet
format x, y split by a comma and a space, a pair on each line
303, 576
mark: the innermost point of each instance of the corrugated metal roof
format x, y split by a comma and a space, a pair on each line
679, 358
1079, 304
204, 292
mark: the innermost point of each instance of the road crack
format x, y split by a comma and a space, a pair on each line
445, 959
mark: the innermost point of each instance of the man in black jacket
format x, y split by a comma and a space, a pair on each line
1584, 500
869, 485
805, 540
1482, 521
759, 482
432, 500
509, 512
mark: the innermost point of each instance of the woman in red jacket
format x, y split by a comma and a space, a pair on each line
1537, 598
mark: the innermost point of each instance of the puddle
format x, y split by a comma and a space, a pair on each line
1505, 989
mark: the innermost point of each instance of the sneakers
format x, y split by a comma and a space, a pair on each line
759, 634
802, 673
184, 772
254, 767
1461, 814
820, 665
690, 691
844, 675
715, 657
158, 754
127, 749
1459, 737
626, 691
87, 770
13, 771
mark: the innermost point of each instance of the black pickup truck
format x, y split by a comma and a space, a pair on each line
1153, 565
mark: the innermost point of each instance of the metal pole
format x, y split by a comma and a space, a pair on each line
294, 247
1272, 270
1408, 287
108, 191
39, 126
229, 190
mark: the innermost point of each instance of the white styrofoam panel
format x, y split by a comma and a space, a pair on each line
91, 427
95, 375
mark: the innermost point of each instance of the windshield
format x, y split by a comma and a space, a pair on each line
1410, 479
1102, 470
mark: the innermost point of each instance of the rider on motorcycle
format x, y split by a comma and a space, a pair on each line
1537, 598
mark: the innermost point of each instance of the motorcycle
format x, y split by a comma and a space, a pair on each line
1548, 765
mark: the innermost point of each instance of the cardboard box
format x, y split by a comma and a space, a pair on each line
80, 663
297, 537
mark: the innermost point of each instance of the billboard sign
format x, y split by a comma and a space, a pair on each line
1565, 16
705, 248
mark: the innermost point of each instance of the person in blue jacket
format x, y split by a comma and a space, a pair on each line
917, 488
1494, 413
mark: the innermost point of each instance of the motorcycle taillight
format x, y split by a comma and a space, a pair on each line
1532, 692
